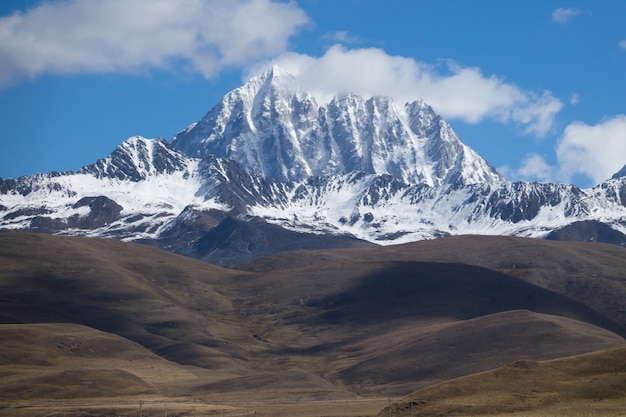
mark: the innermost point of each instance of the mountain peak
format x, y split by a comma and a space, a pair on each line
137, 158
364, 167
274, 130
619, 174
276, 71
274, 78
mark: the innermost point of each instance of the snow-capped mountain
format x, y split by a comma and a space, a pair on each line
270, 169
142, 183
274, 130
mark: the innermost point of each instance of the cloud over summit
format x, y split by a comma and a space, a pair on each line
456, 92
206, 36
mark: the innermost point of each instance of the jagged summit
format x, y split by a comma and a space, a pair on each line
137, 158
277, 78
272, 128
354, 167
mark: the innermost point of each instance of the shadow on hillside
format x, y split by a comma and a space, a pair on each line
426, 290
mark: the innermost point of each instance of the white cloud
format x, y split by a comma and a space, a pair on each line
342, 36
622, 44
454, 91
74, 36
597, 151
534, 168
562, 15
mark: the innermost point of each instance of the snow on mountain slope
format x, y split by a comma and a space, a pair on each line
377, 208
273, 129
353, 167
150, 183
386, 211
138, 158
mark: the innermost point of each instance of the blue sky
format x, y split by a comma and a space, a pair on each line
537, 87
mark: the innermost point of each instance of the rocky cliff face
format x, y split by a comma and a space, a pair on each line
276, 131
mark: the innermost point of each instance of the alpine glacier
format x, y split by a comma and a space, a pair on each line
271, 157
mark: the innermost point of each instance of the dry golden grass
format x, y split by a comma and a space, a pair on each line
60, 369
182, 407
591, 273
62, 361
148, 406
93, 327
584, 385
72, 370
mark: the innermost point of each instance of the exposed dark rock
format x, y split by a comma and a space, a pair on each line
27, 211
235, 241
588, 231
102, 211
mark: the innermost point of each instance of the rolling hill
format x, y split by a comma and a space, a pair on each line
320, 326
586, 385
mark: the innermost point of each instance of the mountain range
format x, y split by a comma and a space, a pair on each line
268, 168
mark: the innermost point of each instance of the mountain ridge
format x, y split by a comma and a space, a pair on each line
276, 131
351, 170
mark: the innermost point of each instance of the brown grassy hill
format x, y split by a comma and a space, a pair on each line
69, 361
417, 357
345, 313
591, 273
310, 325
68, 369
167, 303
587, 385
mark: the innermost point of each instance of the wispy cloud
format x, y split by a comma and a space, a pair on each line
535, 167
77, 36
343, 37
454, 91
622, 44
563, 15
